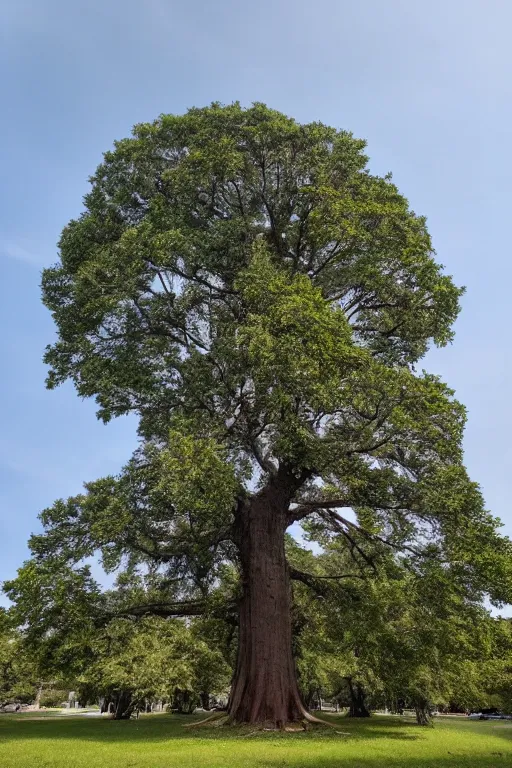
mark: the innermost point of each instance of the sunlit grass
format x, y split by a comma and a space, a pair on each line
162, 742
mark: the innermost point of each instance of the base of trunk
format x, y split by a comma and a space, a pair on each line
357, 700
423, 715
121, 706
220, 719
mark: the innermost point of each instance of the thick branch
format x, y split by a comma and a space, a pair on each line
306, 508
309, 580
264, 462
186, 608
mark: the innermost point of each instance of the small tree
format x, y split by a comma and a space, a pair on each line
260, 300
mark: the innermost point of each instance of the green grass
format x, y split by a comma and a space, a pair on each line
162, 742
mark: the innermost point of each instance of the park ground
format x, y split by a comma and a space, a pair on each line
163, 742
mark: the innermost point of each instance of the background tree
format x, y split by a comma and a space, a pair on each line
414, 633
497, 673
19, 680
152, 659
260, 300
91, 642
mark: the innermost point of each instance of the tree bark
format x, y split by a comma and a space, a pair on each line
357, 700
265, 689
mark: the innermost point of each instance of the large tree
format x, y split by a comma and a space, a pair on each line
260, 300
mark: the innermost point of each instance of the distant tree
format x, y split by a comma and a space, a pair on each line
102, 650
497, 674
18, 674
150, 660
244, 285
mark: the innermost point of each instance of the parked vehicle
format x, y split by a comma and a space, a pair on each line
488, 714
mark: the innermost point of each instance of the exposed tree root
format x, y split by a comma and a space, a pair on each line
211, 720
312, 720
221, 719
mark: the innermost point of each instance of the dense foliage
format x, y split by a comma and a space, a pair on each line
260, 300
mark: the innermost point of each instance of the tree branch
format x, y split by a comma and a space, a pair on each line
332, 517
309, 580
185, 608
373, 536
306, 508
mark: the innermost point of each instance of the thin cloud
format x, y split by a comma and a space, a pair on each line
18, 252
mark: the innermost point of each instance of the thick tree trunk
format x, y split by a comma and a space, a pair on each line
265, 689
357, 700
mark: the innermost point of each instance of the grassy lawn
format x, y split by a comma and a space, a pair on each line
162, 742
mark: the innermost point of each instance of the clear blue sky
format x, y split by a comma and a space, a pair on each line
428, 84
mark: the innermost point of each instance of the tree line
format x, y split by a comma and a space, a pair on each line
402, 639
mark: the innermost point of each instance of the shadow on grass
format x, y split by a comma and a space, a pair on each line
352, 744
157, 728
492, 760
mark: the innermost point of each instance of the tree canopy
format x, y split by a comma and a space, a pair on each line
260, 300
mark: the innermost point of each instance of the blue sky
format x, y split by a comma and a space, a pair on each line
427, 83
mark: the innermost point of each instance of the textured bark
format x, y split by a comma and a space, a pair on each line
265, 689
357, 700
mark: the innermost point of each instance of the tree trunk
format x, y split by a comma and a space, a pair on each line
357, 700
124, 706
37, 702
184, 703
308, 697
204, 698
423, 712
265, 689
